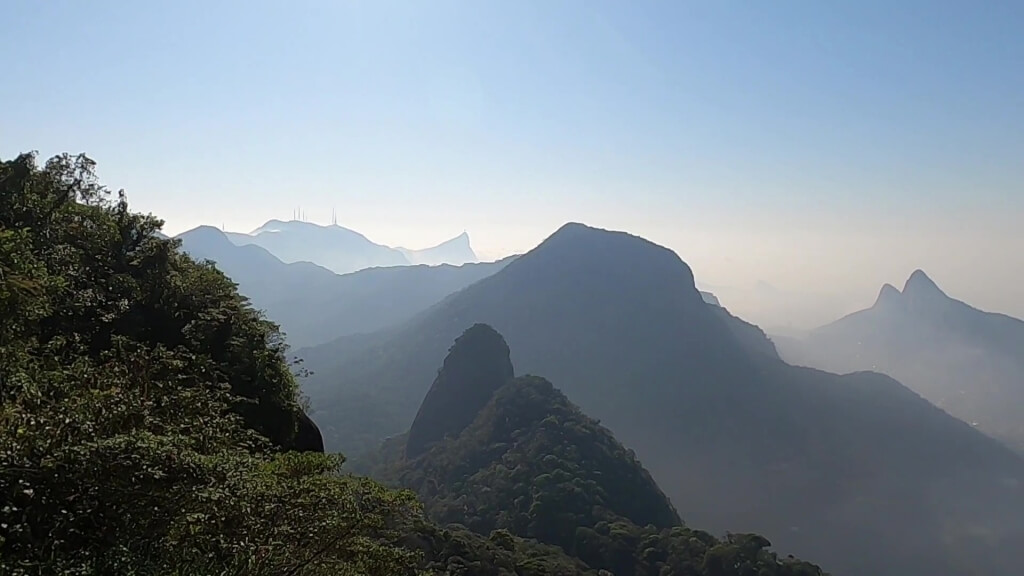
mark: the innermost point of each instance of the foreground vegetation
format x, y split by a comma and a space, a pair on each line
151, 424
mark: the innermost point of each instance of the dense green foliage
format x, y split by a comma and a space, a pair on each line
531, 464
146, 410
144, 406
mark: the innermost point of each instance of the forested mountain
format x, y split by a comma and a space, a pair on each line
968, 362
314, 305
823, 465
521, 458
148, 413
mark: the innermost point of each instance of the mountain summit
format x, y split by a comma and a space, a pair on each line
919, 285
888, 296
477, 365
455, 251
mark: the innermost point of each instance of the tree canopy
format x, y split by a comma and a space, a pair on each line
150, 423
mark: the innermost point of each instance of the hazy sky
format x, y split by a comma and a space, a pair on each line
822, 147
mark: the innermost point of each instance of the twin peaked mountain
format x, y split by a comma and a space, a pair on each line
967, 362
854, 472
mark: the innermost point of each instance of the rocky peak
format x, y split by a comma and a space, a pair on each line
888, 296
477, 365
920, 286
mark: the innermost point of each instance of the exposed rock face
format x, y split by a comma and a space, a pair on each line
308, 437
477, 365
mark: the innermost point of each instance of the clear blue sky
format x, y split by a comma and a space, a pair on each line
817, 145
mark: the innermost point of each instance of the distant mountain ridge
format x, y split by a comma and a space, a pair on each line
339, 249
820, 464
314, 305
343, 250
966, 361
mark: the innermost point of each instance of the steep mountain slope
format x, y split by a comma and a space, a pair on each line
821, 464
455, 251
334, 247
531, 463
968, 362
314, 305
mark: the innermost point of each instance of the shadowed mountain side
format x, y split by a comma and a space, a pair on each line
823, 465
966, 361
314, 305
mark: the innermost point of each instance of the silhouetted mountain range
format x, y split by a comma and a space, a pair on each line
313, 304
856, 472
343, 250
966, 361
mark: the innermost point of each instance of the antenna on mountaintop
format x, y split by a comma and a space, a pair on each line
334, 216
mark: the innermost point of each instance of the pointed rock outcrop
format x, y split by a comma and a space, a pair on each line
888, 296
919, 285
477, 365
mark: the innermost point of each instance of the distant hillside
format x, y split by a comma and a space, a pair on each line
314, 305
821, 464
261, 276
529, 462
968, 362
